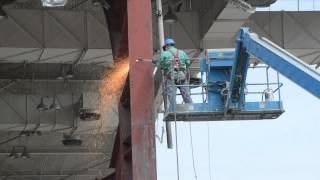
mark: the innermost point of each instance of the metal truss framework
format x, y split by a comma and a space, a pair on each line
297, 32
54, 36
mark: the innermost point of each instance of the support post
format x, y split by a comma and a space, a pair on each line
160, 24
141, 90
161, 44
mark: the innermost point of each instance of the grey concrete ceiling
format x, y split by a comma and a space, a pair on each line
55, 36
297, 32
37, 45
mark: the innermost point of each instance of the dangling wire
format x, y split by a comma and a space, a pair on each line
209, 151
192, 153
176, 139
175, 126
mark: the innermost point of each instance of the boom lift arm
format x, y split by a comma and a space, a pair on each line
282, 61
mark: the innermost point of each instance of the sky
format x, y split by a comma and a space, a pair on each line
284, 148
293, 5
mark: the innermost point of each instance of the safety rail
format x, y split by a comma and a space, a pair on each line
200, 90
200, 110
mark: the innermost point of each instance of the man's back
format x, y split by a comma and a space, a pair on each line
167, 57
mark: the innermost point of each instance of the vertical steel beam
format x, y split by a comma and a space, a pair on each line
124, 165
141, 90
121, 154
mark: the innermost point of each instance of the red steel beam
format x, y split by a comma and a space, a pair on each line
141, 90
122, 145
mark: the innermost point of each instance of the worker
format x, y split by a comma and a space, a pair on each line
175, 65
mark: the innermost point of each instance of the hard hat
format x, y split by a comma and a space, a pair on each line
169, 41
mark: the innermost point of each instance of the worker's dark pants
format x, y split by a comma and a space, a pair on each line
171, 91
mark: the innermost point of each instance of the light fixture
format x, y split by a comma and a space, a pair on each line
70, 73
102, 3
3, 14
54, 3
260, 3
41, 106
24, 133
71, 140
170, 17
25, 154
14, 153
61, 73
96, 2
39, 133
244, 6
60, 77
54, 105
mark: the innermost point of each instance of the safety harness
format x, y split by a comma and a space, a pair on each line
178, 67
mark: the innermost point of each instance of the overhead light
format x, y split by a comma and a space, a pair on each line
35, 132
261, 3
24, 133
39, 133
70, 73
13, 153
3, 14
96, 2
54, 105
71, 140
170, 17
102, 3
25, 154
41, 106
54, 3
244, 6
61, 75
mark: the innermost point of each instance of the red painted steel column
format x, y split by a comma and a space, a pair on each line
141, 90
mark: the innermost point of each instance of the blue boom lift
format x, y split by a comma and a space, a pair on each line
225, 85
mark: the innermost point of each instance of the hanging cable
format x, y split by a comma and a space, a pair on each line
192, 153
209, 152
176, 139
175, 123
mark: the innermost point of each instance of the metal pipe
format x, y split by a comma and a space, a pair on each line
160, 24
156, 60
169, 135
179, 94
261, 84
161, 44
279, 85
267, 75
278, 88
